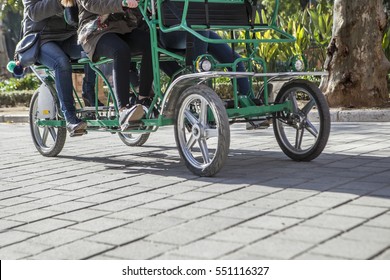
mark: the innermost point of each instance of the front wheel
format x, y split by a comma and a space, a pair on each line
133, 139
302, 134
202, 130
49, 141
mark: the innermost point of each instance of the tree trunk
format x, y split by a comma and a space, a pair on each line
355, 61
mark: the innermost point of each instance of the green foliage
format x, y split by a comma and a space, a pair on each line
28, 82
14, 98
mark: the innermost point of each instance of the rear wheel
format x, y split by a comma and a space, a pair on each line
303, 133
202, 131
49, 141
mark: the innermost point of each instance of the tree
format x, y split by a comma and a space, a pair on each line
355, 61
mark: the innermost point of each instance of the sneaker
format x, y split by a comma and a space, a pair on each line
129, 115
146, 103
77, 129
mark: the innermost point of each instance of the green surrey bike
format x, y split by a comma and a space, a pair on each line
296, 107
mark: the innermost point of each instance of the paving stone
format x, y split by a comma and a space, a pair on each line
140, 250
373, 234
241, 235
272, 222
215, 203
384, 256
60, 237
155, 223
277, 248
76, 250
99, 224
69, 206
45, 225
34, 215
193, 196
188, 212
311, 256
210, 224
267, 203
6, 224
299, 211
207, 249
349, 249
356, 211
134, 213
373, 201
307, 234
118, 236
101, 198
382, 221
82, 215
13, 236
166, 204
176, 236
334, 222
241, 212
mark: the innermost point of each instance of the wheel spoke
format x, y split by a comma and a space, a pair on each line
190, 143
190, 117
44, 135
204, 150
211, 132
311, 128
203, 113
293, 99
53, 133
307, 108
298, 138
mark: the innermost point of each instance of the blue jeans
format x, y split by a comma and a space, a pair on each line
57, 56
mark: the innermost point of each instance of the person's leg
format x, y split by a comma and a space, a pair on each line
138, 42
52, 55
73, 50
224, 54
110, 45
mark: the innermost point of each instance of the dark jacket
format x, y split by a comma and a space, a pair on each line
98, 17
46, 16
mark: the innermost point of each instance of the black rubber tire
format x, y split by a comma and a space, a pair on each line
58, 134
133, 140
318, 101
206, 134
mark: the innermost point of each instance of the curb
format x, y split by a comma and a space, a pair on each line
14, 119
358, 115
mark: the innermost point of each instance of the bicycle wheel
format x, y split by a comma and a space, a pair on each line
133, 139
202, 131
303, 133
49, 141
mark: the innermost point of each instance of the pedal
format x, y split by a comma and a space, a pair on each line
79, 132
130, 126
259, 124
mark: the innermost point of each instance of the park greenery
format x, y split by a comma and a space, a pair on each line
308, 20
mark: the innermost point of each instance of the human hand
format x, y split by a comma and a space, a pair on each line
130, 3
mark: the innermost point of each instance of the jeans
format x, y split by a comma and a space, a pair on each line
120, 48
57, 56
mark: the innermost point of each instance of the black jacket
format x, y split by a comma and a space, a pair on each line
46, 15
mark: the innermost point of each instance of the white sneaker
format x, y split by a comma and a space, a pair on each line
129, 115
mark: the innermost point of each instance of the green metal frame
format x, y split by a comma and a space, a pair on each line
243, 107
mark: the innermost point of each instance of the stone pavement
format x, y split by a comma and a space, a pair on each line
100, 199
